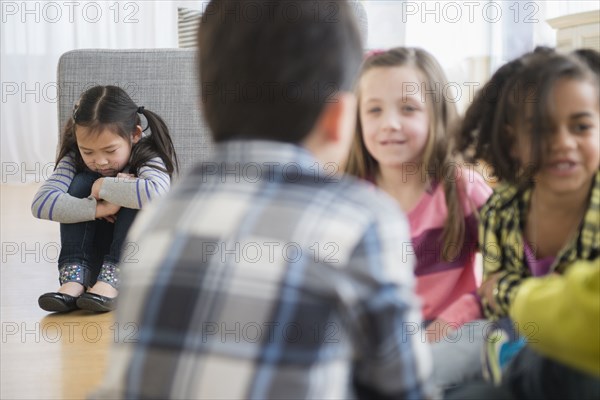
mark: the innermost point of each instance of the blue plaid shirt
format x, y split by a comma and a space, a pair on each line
263, 274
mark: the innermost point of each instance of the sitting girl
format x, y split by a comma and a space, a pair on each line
402, 145
107, 169
537, 123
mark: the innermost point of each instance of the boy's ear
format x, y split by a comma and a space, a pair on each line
137, 134
338, 118
331, 136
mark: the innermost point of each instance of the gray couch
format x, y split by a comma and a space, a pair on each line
162, 80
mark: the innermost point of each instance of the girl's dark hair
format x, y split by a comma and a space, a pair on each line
110, 107
590, 57
520, 90
439, 157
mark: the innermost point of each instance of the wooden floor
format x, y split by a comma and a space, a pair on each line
42, 356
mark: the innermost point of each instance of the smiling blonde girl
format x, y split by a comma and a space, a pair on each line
403, 146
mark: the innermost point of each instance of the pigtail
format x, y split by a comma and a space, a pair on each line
453, 235
448, 173
157, 144
67, 140
443, 166
68, 144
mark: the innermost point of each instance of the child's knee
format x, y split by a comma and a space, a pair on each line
81, 186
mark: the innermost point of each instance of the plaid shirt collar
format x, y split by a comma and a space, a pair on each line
265, 152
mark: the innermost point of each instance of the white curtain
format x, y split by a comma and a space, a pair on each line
34, 34
470, 39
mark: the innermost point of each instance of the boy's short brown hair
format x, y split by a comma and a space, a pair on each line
268, 68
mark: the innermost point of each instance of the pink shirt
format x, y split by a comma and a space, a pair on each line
538, 267
448, 288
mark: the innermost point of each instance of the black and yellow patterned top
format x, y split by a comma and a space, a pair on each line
501, 241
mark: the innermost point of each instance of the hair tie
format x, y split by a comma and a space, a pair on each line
140, 110
374, 53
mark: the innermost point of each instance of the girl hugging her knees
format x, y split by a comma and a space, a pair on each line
403, 145
108, 168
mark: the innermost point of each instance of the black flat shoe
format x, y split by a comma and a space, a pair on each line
96, 303
57, 302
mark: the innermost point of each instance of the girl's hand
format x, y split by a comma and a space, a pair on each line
96, 188
487, 291
124, 176
110, 218
106, 210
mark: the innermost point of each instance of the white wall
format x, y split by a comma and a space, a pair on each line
33, 36
35, 33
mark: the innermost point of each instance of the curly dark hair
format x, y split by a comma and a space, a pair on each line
523, 85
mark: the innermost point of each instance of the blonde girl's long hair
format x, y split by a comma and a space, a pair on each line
439, 160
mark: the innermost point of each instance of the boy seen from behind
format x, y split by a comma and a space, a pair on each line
266, 273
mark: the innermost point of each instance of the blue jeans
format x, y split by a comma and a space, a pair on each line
531, 375
92, 243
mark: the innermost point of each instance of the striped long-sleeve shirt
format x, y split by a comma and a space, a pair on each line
54, 203
263, 276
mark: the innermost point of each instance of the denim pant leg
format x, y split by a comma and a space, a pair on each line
110, 271
77, 240
125, 218
531, 375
